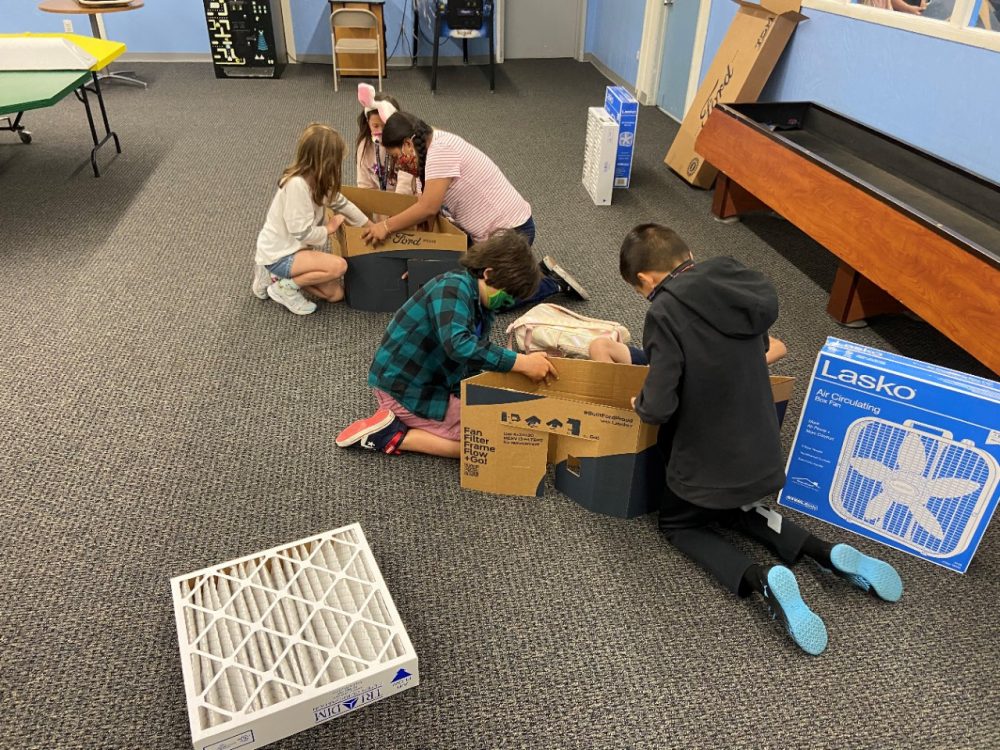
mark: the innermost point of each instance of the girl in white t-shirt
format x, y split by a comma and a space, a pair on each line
376, 168
457, 177
291, 246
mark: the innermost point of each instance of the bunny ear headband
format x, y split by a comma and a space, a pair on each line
366, 96
385, 110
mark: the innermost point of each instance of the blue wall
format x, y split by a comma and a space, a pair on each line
311, 21
937, 95
178, 26
614, 34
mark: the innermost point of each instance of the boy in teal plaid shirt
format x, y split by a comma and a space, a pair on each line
440, 337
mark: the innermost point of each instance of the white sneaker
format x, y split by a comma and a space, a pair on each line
286, 293
262, 279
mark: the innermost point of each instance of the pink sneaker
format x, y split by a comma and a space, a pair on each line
381, 432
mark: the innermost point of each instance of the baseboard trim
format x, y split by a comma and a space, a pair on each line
184, 57
405, 61
609, 74
206, 57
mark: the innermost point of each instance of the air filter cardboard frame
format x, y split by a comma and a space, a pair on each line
583, 424
374, 280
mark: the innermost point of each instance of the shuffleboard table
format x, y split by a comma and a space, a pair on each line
912, 231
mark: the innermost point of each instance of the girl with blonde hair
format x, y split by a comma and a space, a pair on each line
291, 252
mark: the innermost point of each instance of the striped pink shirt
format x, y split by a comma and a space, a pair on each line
479, 199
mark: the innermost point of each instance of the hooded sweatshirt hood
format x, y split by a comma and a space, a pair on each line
708, 386
735, 301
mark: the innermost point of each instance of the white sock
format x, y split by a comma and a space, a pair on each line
288, 284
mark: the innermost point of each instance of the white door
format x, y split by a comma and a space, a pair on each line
542, 28
683, 42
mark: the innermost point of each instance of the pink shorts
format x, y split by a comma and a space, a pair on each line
449, 429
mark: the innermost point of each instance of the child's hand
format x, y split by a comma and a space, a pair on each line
536, 366
633, 403
334, 223
375, 234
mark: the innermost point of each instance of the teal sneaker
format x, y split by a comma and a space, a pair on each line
867, 573
806, 628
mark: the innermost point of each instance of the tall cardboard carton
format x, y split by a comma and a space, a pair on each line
583, 424
622, 106
375, 275
741, 67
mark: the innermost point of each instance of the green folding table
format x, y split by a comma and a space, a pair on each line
24, 90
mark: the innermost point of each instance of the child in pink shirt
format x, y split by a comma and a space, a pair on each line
461, 180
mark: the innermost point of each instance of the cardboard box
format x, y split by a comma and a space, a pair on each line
623, 107
277, 642
599, 156
374, 274
899, 451
583, 424
741, 67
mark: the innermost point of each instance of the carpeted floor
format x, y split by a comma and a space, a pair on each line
157, 419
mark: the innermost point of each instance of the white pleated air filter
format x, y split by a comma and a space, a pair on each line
282, 640
599, 156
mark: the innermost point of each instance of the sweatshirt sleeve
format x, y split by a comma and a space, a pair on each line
299, 214
354, 215
658, 399
454, 318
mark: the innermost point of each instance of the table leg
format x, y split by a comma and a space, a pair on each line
416, 33
125, 76
15, 126
854, 299
437, 43
81, 94
731, 200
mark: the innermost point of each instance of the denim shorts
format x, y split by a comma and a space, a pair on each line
282, 268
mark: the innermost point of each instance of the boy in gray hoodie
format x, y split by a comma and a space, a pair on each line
706, 336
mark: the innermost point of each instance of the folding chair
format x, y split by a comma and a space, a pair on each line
351, 18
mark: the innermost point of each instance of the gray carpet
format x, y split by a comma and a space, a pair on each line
157, 419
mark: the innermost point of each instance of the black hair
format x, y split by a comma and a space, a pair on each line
651, 247
401, 126
364, 129
512, 265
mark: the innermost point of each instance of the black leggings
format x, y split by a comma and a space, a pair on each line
686, 527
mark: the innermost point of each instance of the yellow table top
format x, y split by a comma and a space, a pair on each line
105, 51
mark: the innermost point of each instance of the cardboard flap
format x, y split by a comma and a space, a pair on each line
778, 7
378, 201
410, 242
781, 387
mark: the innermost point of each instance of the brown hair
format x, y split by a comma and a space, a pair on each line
318, 158
512, 266
364, 129
651, 247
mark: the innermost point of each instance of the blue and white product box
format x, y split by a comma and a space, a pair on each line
897, 450
623, 107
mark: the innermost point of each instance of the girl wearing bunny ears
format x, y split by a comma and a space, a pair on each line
376, 169
457, 176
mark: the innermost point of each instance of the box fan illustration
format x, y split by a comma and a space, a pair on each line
914, 484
